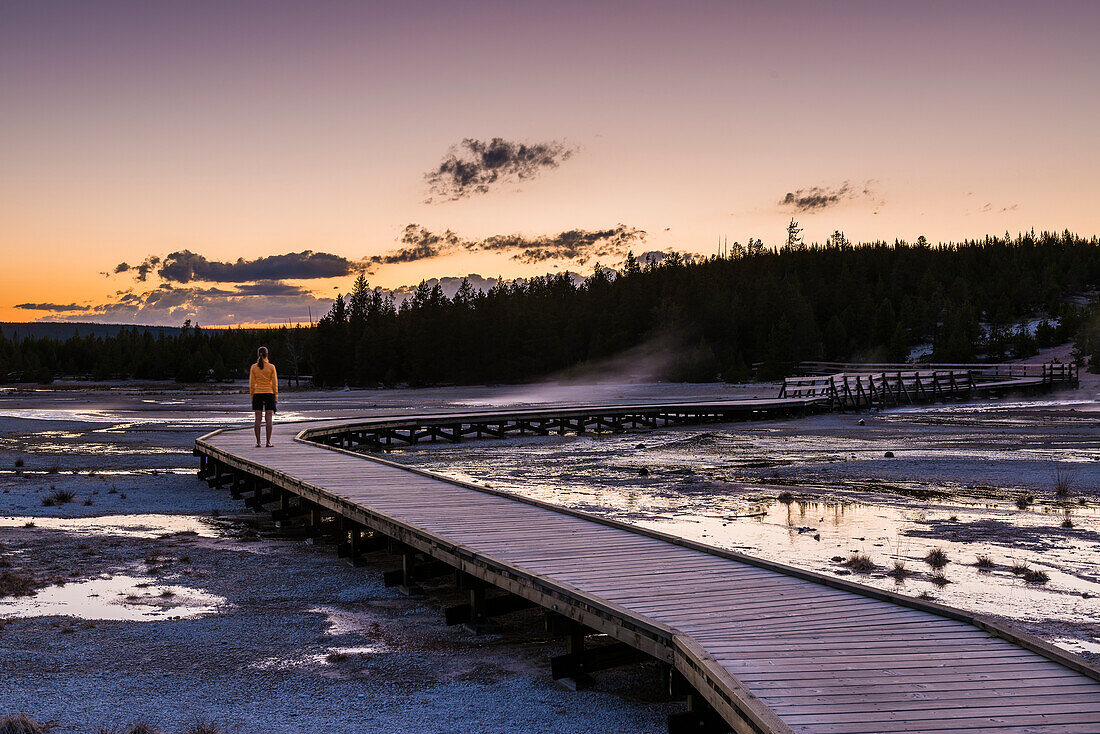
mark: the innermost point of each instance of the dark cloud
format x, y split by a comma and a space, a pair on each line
57, 307
186, 266
575, 244
419, 244
270, 288
141, 271
817, 198
474, 166
263, 302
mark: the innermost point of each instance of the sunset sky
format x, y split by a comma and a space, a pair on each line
190, 135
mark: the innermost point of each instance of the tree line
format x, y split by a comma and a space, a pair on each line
712, 318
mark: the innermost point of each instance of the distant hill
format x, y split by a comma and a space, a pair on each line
66, 330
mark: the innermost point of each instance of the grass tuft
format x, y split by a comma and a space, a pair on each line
1063, 481
860, 563
23, 724
899, 571
17, 583
1067, 523
985, 562
936, 558
939, 579
138, 728
203, 727
1033, 576
60, 496
1024, 500
1020, 568
336, 657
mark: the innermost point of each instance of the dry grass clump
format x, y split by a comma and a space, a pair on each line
138, 728
1063, 481
204, 727
1034, 576
1067, 523
1019, 568
1024, 500
939, 579
17, 583
899, 571
860, 563
23, 724
336, 657
936, 558
984, 562
58, 497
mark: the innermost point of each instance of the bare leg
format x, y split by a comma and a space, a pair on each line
259, 417
270, 413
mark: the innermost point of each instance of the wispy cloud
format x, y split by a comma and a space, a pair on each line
140, 271
475, 166
52, 307
817, 198
579, 245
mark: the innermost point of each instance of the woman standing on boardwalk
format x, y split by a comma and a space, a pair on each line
263, 386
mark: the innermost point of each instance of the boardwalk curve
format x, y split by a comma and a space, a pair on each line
769, 648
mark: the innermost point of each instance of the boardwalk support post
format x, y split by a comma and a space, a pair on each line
579, 661
481, 608
700, 718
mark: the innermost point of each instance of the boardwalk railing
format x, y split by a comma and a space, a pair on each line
387, 433
868, 389
883, 385
1049, 372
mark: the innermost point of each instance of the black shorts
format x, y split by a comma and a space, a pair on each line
263, 401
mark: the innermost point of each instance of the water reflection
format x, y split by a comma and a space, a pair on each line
721, 487
133, 526
117, 598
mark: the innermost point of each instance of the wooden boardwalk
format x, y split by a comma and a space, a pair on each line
769, 648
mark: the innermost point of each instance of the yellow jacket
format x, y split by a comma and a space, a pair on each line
263, 380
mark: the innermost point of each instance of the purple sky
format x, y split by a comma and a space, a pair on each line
245, 130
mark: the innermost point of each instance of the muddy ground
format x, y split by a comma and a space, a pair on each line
163, 600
